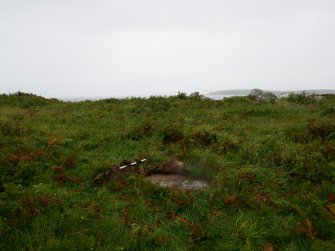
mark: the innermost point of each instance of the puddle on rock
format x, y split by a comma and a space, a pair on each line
179, 181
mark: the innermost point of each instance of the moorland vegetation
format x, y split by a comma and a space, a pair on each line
270, 166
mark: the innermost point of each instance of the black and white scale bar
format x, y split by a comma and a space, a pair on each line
132, 164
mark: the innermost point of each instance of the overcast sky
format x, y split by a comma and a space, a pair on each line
68, 48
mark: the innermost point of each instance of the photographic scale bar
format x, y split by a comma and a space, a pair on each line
132, 164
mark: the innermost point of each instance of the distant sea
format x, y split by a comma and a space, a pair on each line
219, 97
78, 99
92, 98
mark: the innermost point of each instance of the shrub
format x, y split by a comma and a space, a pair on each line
182, 95
300, 98
238, 100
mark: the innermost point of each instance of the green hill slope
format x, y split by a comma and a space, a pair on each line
271, 169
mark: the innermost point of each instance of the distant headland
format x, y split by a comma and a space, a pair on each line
245, 92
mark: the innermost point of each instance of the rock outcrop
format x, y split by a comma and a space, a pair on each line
256, 93
171, 174
194, 95
177, 181
203, 97
262, 96
198, 96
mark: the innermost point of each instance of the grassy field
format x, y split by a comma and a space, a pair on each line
271, 169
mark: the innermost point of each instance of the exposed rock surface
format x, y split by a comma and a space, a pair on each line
256, 93
172, 174
178, 181
203, 97
267, 96
260, 95
194, 95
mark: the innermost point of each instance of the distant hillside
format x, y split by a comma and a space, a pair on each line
24, 100
244, 92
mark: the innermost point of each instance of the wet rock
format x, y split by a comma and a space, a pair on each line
178, 181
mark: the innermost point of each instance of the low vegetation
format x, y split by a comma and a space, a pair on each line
271, 169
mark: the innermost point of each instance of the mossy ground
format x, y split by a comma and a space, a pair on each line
271, 167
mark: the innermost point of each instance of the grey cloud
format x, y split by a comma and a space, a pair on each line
69, 48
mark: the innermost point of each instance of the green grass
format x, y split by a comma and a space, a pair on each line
271, 167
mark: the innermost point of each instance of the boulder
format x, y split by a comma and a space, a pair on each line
194, 95
267, 96
262, 96
203, 97
256, 93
